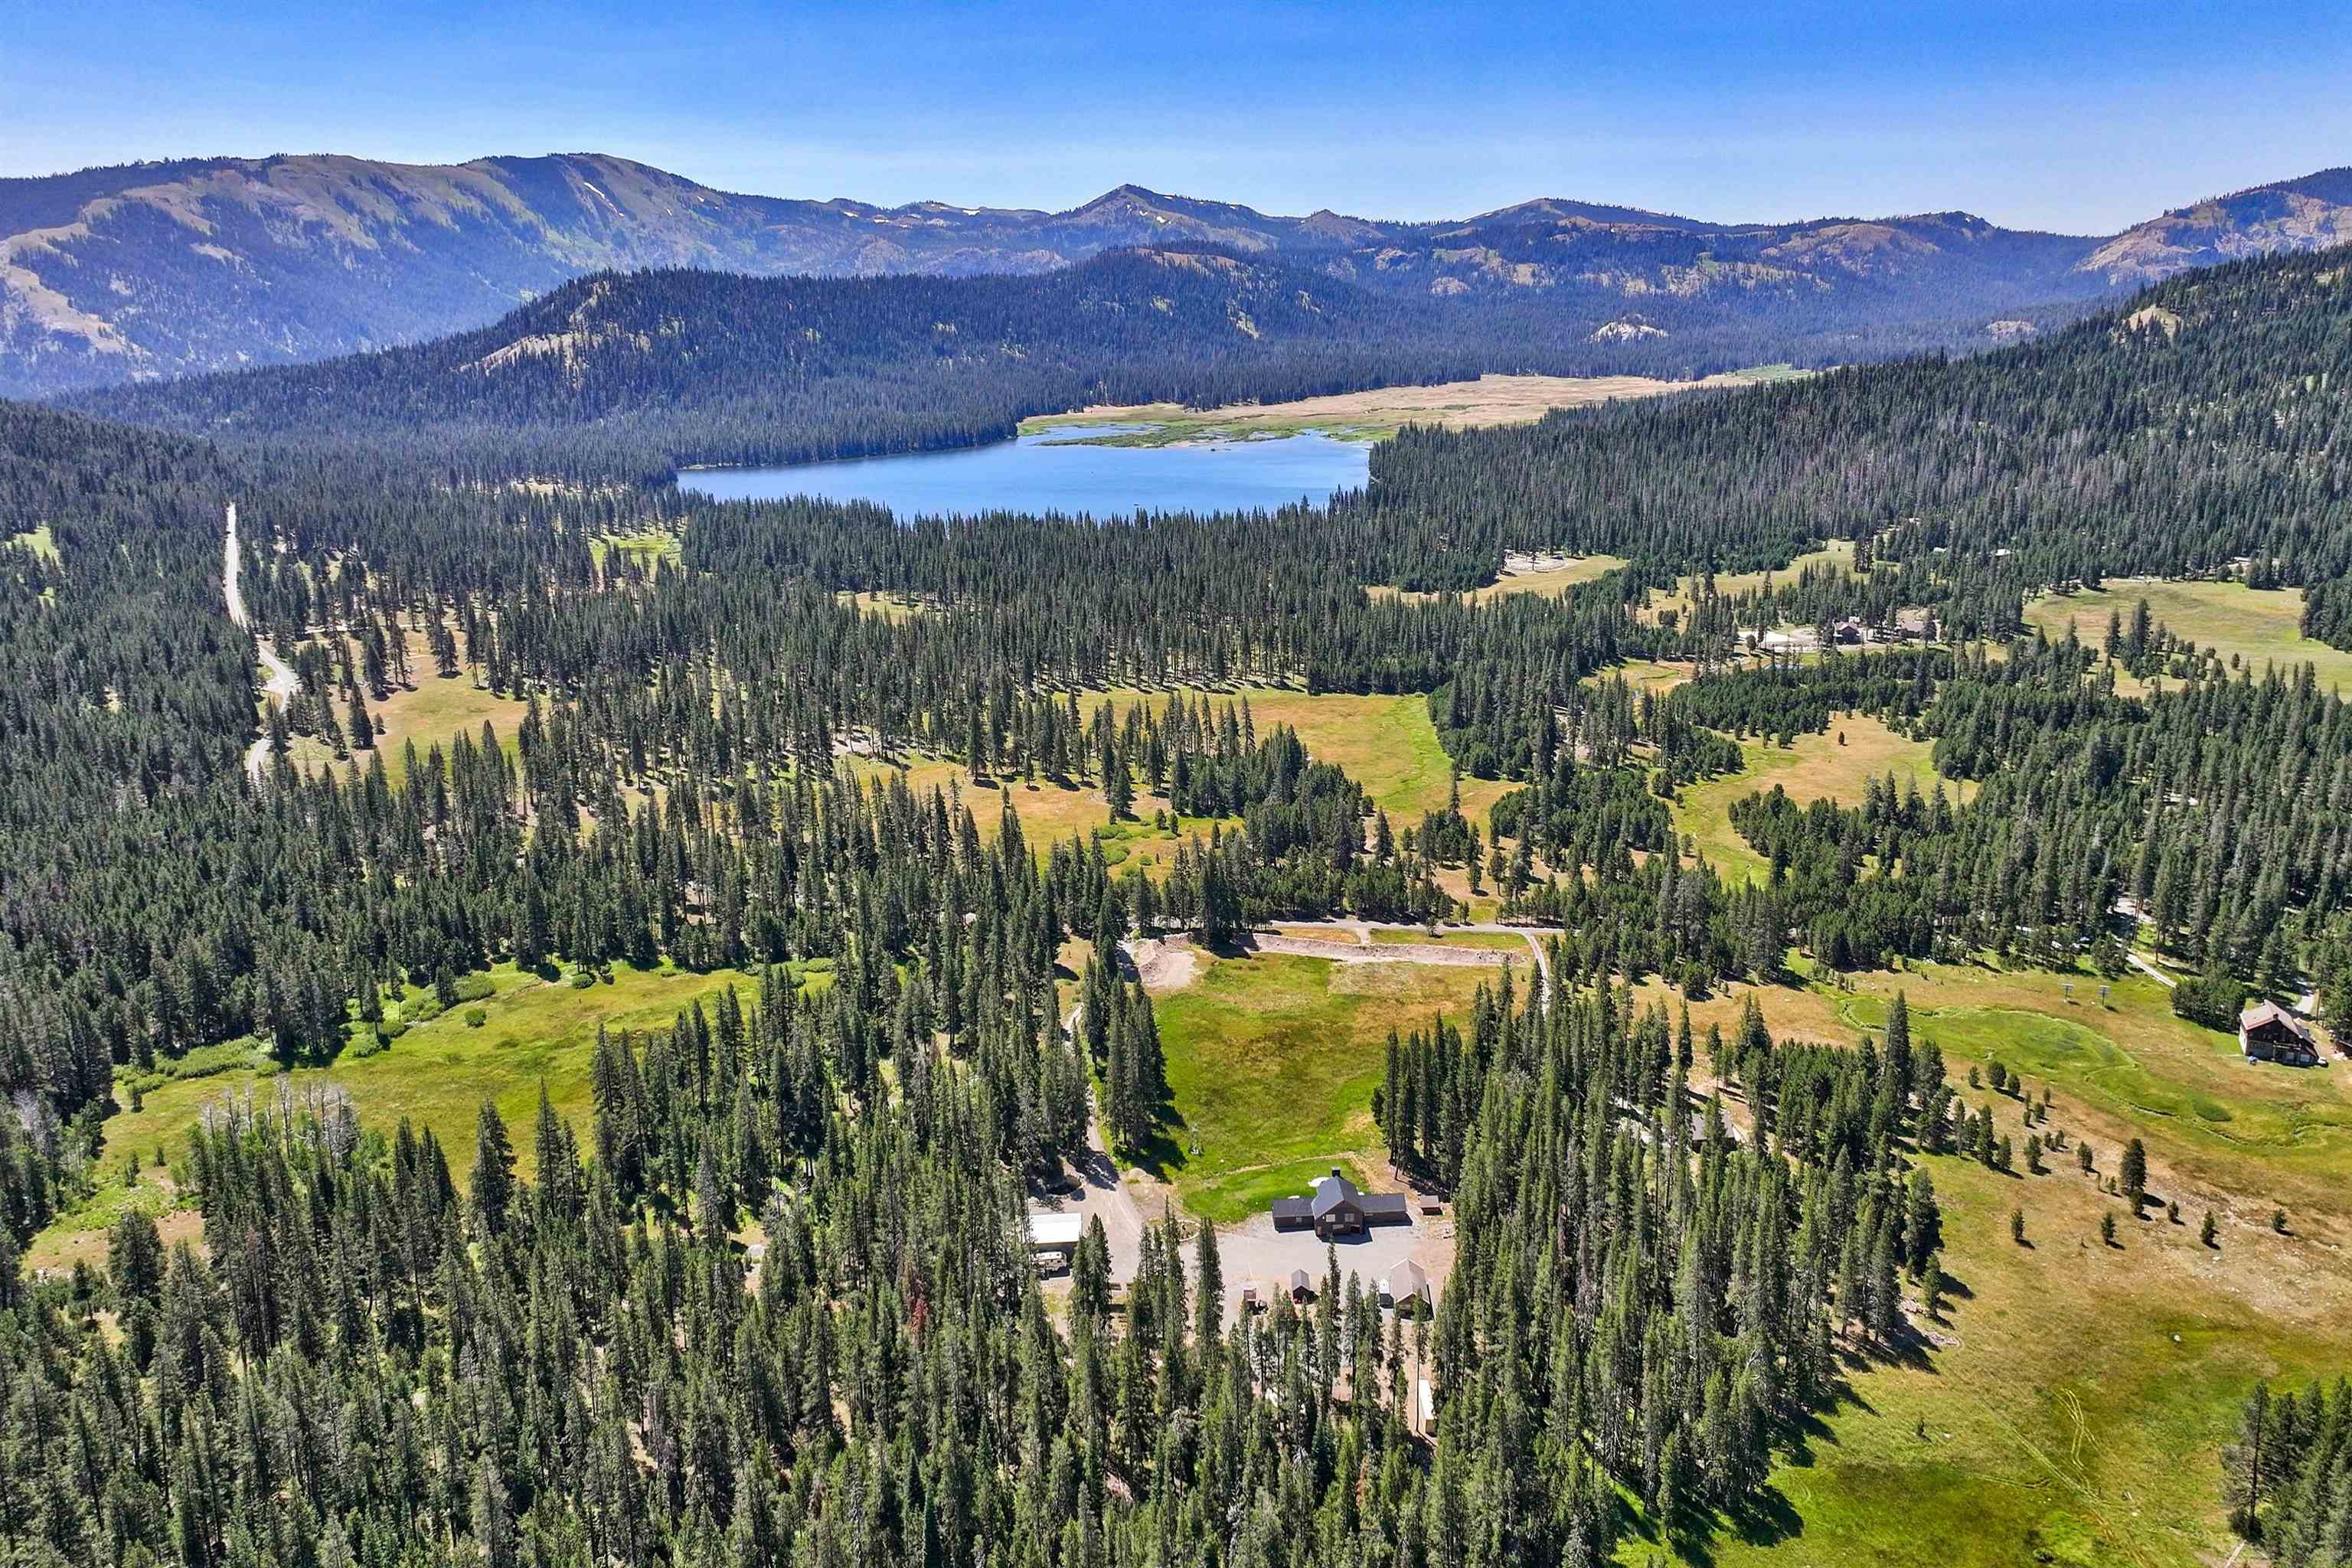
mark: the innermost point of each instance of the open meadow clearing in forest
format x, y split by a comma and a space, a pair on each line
1811, 767
1835, 553
1388, 744
2257, 626
1377, 414
1271, 1063
435, 1074
1645, 675
433, 712
1549, 575
2082, 1393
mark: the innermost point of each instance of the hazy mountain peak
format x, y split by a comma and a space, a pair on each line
165, 268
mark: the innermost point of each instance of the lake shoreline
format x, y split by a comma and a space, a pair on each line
1097, 471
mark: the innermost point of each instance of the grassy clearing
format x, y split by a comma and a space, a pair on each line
1549, 575
1053, 812
1814, 767
2268, 1134
1388, 744
1377, 414
896, 608
40, 540
647, 548
2256, 627
432, 713
1836, 553
437, 1075
1385, 743
2078, 1413
1273, 1061
1645, 675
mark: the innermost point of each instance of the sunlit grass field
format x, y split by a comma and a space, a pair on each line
2257, 626
1812, 767
434, 713
435, 1075
2062, 1421
1273, 1061
1388, 744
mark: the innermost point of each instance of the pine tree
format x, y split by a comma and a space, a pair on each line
493, 1180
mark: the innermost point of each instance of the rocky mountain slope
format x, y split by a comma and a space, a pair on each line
162, 269
2309, 214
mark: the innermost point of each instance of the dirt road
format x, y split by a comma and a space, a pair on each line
281, 684
1362, 949
1103, 1195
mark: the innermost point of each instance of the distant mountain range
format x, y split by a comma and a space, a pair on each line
162, 269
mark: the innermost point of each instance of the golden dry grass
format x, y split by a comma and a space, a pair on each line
1376, 414
432, 713
2258, 628
1550, 575
1814, 767
1388, 744
1643, 675
2077, 1407
1836, 553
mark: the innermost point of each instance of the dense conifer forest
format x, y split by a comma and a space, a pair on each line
371, 1363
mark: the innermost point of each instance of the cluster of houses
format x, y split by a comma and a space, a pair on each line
1336, 1209
1911, 625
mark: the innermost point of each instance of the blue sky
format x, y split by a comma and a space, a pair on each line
2077, 117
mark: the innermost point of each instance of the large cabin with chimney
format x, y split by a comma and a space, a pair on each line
2269, 1033
1339, 1207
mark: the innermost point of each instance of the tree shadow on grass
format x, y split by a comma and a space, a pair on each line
1162, 1154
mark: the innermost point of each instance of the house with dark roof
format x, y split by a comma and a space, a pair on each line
2269, 1033
1339, 1207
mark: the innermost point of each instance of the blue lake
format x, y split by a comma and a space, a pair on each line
1053, 473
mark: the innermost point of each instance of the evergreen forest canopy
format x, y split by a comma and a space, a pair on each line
372, 1362
631, 376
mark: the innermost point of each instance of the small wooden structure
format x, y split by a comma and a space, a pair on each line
1302, 1289
2269, 1033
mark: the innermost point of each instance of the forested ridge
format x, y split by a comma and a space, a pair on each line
632, 375
2200, 422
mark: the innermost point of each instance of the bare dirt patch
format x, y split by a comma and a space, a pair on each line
1165, 963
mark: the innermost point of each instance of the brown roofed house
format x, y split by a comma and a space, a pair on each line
1339, 1208
2269, 1033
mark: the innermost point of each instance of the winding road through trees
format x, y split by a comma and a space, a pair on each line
281, 684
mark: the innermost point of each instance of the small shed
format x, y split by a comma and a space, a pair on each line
1301, 1288
2269, 1033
